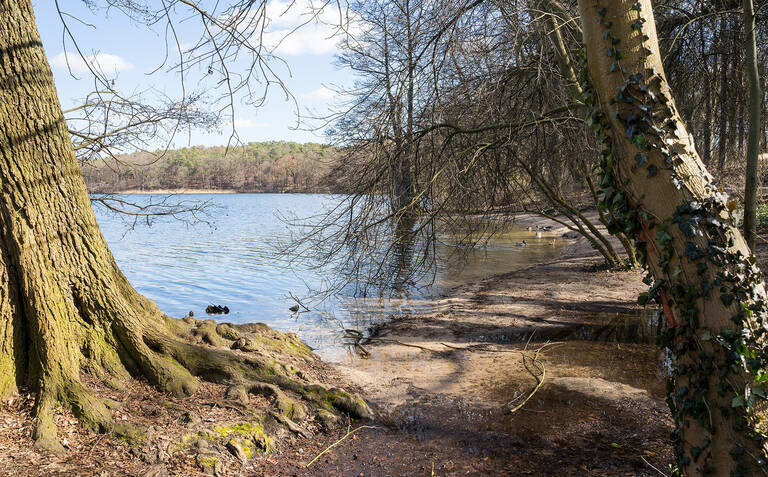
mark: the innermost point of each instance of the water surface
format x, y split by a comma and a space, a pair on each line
231, 261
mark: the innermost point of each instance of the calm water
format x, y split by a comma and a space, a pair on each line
231, 262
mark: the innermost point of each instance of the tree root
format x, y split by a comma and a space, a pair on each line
175, 356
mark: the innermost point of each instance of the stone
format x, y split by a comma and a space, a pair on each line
327, 419
237, 450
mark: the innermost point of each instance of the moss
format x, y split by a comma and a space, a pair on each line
206, 461
286, 345
130, 435
253, 430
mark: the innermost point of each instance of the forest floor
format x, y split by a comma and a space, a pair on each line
446, 387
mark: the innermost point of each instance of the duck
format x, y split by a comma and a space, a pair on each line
217, 310
521, 244
546, 228
552, 243
529, 228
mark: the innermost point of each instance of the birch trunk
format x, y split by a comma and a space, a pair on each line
712, 293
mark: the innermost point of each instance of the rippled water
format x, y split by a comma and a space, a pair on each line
231, 262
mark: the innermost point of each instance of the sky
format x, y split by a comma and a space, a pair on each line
128, 52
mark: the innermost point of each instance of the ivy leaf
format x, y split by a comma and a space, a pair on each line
640, 158
652, 170
663, 237
689, 226
738, 401
693, 252
727, 299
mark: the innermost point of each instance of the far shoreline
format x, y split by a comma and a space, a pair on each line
195, 191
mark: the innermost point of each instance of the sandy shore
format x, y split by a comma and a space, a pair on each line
455, 395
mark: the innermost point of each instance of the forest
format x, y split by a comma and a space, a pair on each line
253, 167
537, 246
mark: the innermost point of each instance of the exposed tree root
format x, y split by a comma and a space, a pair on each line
173, 355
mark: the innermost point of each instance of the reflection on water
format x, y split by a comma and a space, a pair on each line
232, 262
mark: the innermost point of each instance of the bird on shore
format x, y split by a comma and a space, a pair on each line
521, 244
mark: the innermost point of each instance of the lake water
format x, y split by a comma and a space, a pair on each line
231, 261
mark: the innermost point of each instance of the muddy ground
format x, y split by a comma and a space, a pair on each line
546, 371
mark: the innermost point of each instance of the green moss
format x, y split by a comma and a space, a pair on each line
286, 345
253, 430
206, 461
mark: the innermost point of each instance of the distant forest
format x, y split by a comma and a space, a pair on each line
255, 167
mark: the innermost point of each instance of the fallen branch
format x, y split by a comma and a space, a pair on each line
349, 433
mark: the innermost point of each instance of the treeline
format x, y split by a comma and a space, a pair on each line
274, 166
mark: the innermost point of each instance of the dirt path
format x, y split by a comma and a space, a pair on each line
448, 412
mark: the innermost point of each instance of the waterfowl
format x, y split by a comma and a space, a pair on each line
521, 244
217, 310
546, 228
552, 243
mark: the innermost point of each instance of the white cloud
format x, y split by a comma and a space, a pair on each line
300, 27
248, 123
100, 62
322, 93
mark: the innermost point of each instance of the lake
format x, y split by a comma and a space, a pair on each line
231, 261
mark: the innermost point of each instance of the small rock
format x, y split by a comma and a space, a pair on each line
239, 343
190, 418
236, 449
209, 463
327, 419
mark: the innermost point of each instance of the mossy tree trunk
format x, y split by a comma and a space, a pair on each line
65, 307
705, 277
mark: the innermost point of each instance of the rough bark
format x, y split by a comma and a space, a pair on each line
753, 141
65, 307
711, 290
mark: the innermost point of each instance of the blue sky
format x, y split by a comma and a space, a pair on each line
128, 52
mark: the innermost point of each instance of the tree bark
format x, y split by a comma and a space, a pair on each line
711, 290
65, 307
755, 105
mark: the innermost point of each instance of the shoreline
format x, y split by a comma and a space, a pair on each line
195, 191
451, 376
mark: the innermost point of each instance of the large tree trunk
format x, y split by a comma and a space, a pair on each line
713, 294
65, 307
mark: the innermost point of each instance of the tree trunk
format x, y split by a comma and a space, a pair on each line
65, 307
723, 40
712, 293
755, 104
